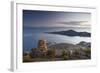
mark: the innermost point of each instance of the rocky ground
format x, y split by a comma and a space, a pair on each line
61, 51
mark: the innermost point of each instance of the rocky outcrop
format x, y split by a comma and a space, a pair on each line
42, 45
59, 51
85, 44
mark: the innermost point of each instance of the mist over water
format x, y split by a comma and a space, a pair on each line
32, 35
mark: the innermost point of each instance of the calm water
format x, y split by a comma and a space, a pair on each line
32, 35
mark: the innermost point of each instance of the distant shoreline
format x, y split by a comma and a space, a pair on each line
71, 33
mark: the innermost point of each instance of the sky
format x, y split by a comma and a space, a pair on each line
32, 18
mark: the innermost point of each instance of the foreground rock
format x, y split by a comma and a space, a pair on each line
60, 51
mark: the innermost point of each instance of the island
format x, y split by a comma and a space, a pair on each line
71, 33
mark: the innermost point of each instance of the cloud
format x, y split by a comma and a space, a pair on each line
75, 23
60, 24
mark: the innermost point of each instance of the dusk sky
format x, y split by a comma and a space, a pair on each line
33, 18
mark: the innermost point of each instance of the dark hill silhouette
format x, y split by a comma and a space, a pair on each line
72, 33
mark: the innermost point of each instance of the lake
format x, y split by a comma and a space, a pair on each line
32, 35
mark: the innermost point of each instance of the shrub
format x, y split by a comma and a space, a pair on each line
65, 55
76, 52
87, 52
33, 52
51, 53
